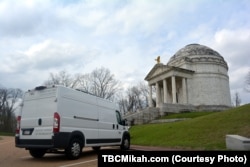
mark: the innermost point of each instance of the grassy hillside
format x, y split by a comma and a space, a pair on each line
187, 115
205, 132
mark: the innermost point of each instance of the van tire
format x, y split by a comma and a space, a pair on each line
37, 153
96, 148
74, 149
125, 143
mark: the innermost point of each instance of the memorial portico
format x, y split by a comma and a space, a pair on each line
170, 84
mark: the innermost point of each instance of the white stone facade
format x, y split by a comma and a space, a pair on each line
196, 75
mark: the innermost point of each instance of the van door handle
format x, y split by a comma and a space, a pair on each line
39, 121
117, 126
113, 126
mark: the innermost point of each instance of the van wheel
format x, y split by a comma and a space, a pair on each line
97, 148
125, 143
37, 153
74, 150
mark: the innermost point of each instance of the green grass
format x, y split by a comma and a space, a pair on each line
187, 115
6, 134
205, 132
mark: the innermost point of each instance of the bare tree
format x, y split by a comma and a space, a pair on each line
8, 104
123, 103
144, 93
103, 83
83, 82
100, 82
237, 99
132, 94
62, 78
137, 97
248, 82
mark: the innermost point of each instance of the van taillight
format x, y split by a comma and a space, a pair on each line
18, 124
56, 123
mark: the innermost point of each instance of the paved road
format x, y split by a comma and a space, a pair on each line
10, 156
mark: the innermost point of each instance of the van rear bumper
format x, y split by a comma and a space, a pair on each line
59, 140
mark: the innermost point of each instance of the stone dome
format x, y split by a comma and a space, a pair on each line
197, 53
195, 49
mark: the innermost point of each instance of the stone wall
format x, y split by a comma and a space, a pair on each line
178, 108
175, 108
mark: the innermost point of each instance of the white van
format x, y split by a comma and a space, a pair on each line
59, 119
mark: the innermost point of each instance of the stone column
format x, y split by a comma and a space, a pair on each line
158, 94
150, 96
184, 90
165, 91
173, 89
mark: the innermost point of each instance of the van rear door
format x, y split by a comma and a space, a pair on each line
37, 113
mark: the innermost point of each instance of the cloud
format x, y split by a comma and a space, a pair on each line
234, 45
43, 36
53, 54
22, 18
48, 55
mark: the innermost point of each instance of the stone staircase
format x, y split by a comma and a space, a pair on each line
142, 116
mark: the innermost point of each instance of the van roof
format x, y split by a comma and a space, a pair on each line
54, 86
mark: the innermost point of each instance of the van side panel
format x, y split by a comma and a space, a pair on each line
109, 130
78, 112
107, 123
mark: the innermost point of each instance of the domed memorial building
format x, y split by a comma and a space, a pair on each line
195, 78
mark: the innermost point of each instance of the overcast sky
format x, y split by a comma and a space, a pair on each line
38, 37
